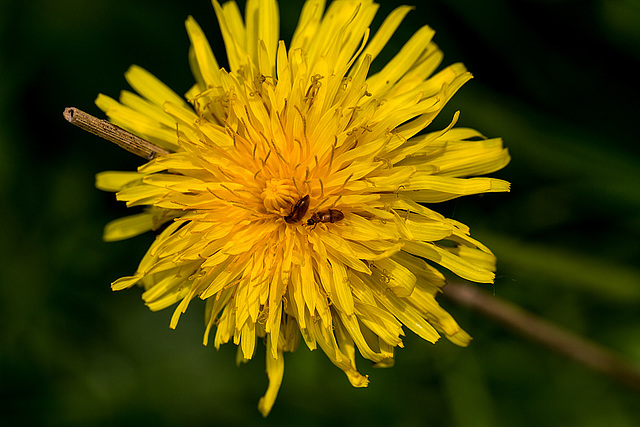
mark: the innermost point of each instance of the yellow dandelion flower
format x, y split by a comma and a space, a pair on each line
293, 196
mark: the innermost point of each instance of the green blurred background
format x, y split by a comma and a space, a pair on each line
558, 80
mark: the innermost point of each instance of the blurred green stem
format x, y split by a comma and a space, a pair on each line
543, 332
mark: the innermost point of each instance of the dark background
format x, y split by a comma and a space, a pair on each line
558, 80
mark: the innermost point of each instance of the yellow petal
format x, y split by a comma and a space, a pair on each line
116, 181
127, 227
147, 85
207, 64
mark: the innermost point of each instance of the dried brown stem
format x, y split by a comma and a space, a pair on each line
113, 133
543, 332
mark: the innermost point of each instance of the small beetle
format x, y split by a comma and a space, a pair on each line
299, 210
330, 215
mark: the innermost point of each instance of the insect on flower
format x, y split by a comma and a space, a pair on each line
299, 210
330, 215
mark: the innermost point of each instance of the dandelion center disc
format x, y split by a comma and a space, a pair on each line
278, 195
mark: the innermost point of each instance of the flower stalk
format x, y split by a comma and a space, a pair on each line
543, 332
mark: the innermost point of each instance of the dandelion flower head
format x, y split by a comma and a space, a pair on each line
295, 196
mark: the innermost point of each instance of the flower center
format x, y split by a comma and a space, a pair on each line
279, 195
